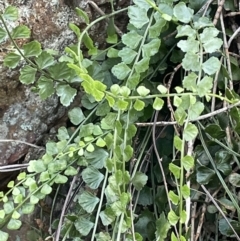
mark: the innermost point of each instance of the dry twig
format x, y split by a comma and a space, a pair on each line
220, 210
233, 36
218, 12
169, 84
23, 142
226, 46
234, 29
214, 89
232, 14
200, 224
202, 117
190, 146
12, 168
57, 235
204, 7
193, 216
160, 163
99, 10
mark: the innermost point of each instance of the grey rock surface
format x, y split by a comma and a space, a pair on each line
23, 115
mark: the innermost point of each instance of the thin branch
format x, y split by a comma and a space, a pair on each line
232, 14
220, 210
201, 220
230, 81
23, 142
226, 47
207, 201
193, 217
65, 207
190, 146
170, 35
160, 163
234, 55
234, 26
204, 7
202, 117
169, 104
233, 36
132, 218
214, 89
99, 10
12, 168
218, 12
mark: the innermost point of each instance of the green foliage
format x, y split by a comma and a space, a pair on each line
123, 85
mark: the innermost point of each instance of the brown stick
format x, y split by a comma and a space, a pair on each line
218, 12
202, 117
99, 10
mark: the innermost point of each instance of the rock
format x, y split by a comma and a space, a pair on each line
23, 115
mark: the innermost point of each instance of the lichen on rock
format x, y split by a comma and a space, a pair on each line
23, 115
